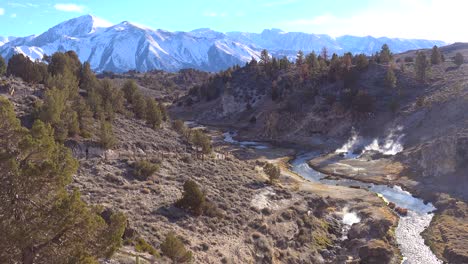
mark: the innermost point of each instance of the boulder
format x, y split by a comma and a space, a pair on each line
375, 251
401, 211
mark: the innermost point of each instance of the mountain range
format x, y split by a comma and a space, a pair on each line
129, 46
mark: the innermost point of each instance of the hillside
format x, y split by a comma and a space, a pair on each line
139, 167
128, 46
419, 127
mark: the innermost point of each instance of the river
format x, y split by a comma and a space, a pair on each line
409, 228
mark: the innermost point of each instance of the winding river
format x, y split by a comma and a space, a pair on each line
408, 237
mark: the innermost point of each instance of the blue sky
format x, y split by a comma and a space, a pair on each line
429, 19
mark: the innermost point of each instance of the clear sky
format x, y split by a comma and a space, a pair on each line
430, 19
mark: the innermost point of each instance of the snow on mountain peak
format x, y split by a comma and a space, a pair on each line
131, 46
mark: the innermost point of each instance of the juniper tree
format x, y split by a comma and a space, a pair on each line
153, 113
3, 66
193, 199
385, 56
173, 248
421, 66
129, 88
40, 221
436, 56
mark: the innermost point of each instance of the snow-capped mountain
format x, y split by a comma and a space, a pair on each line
129, 46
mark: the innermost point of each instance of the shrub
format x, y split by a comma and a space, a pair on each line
201, 140
193, 198
273, 172
174, 249
142, 246
144, 169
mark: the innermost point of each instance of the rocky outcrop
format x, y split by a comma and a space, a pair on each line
375, 252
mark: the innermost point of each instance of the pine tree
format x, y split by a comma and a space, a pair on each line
390, 78
421, 66
129, 88
300, 58
324, 53
88, 80
106, 135
264, 57
153, 113
385, 56
193, 199
173, 248
3, 66
436, 56
139, 105
201, 140
362, 62
40, 220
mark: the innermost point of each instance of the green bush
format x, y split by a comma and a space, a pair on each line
193, 198
174, 249
201, 140
273, 172
144, 169
142, 246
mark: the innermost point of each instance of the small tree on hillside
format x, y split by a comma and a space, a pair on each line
385, 56
264, 57
201, 140
129, 88
3, 66
458, 59
153, 113
421, 66
300, 57
436, 56
272, 171
106, 135
173, 248
193, 199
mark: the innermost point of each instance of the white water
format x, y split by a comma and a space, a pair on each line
229, 137
390, 145
409, 228
407, 233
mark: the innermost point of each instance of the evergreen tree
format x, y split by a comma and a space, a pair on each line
84, 115
106, 135
264, 57
390, 78
324, 53
40, 221
201, 140
193, 199
385, 56
436, 56
139, 105
173, 248
153, 113
458, 59
362, 62
421, 66
3, 66
88, 80
300, 58
130, 88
